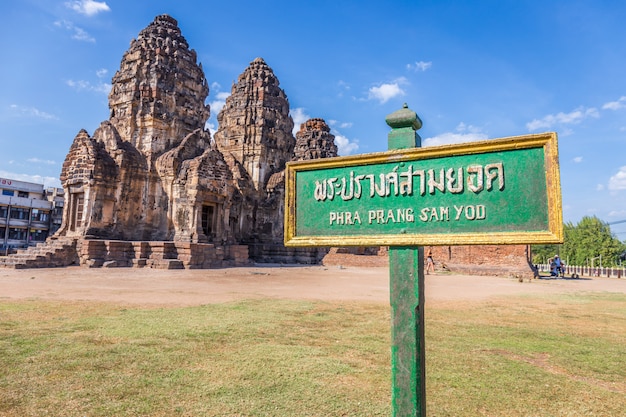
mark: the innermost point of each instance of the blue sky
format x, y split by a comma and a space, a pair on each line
472, 70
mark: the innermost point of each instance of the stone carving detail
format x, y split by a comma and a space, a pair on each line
314, 140
152, 173
157, 95
255, 136
254, 125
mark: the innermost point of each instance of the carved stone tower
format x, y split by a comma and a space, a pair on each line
314, 141
150, 171
157, 96
254, 126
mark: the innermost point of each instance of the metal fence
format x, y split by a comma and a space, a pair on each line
573, 271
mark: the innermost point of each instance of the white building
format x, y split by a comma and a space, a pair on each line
28, 213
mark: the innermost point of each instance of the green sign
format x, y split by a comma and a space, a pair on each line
501, 191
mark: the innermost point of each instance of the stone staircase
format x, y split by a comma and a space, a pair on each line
52, 253
63, 251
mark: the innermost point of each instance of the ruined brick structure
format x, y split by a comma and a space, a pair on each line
483, 259
314, 141
151, 187
255, 136
152, 173
502, 260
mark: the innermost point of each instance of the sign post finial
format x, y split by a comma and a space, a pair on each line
404, 123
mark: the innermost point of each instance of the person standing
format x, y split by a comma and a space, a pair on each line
430, 263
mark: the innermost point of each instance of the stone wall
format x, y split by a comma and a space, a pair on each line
501, 260
482, 259
160, 255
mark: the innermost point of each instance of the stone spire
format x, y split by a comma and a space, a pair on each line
157, 96
314, 140
255, 128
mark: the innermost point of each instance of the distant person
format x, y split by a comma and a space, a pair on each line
430, 264
552, 267
559, 266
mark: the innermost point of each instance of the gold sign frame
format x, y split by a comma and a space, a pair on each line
547, 141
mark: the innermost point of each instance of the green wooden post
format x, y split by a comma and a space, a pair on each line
406, 275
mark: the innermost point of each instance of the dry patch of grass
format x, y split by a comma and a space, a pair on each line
515, 356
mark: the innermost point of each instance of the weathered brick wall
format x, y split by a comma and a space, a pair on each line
491, 255
504, 260
160, 254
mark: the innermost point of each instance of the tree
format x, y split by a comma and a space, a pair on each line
584, 244
541, 253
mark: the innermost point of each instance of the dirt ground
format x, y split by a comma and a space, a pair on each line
151, 287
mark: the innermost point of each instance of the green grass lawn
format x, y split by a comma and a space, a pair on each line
514, 356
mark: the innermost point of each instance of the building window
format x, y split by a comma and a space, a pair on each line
3, 212
17, 233
8, 192
19, 213
23, 194
39, 215
38, 235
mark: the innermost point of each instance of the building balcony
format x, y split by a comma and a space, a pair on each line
6, 200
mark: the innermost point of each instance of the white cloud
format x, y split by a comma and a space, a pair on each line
211, 128
343, 85
299, 116
82, 85
82, 35
218, 104
31, 112
615, 105
618, 181
88, 7
574, 117
79, 33
600, 187
37, 179
578, 159
340, 125
345, 146
463, 133
419, 66
41, 161
101, 73
343, 88
385, 92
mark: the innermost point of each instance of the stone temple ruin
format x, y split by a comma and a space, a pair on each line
151, 187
